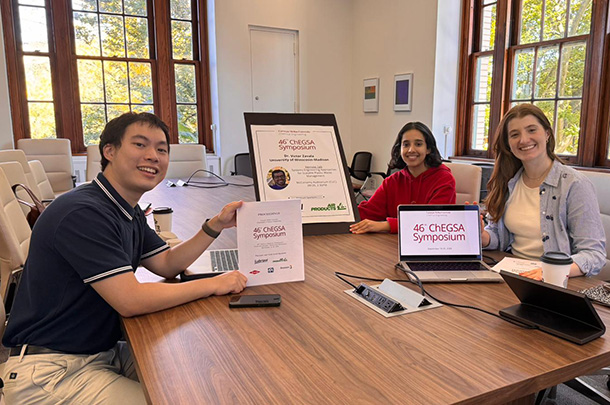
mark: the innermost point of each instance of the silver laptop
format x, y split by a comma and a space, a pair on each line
212, 263
442, 243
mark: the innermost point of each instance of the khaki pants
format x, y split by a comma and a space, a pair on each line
104, 378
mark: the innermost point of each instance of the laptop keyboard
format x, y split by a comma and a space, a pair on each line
445, 266
224, 260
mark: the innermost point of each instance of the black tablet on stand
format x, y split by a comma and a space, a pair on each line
555, 310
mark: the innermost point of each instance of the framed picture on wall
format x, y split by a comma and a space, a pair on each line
403, 90
371, 95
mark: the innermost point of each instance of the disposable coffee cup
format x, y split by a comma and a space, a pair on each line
163, 219
556, 268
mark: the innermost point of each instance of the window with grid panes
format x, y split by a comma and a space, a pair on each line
549, 54
114, 60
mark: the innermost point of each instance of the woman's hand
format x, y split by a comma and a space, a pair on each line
367, 225
485, 238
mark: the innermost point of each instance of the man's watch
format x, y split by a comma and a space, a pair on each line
209, 231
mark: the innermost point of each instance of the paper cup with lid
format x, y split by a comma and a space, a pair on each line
163, 219
556, 268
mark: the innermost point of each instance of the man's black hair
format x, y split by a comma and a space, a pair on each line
114, 131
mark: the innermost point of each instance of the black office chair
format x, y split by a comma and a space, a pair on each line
242, 165
487, 170
360, 169
367, 192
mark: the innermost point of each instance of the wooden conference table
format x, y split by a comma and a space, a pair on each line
323, 346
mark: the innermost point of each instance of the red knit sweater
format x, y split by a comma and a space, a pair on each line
434, 186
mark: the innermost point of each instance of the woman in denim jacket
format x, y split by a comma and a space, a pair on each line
535, 203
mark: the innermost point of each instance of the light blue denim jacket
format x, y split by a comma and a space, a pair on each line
569, 219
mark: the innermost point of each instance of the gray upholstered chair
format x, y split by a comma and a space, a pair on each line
56, 158
601, 182
467, 182
185, 159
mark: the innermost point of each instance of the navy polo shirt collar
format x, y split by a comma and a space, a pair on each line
114, 196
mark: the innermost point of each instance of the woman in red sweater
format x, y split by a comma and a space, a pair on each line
423, 179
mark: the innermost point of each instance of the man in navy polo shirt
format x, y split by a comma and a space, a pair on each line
79, 279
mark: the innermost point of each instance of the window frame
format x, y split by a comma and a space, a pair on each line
593, 138
63, 58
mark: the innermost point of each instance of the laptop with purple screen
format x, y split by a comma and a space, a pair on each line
442, 243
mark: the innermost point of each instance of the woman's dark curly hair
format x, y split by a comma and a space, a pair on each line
433, 159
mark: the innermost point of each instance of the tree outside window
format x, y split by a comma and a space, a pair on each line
114, 59
545, 56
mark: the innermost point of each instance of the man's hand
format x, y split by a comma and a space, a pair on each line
129, 297
229, 283
367, 225
535, 274
226, 218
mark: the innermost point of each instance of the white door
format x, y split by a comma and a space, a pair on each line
273, 54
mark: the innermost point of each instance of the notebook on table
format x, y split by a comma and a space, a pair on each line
212, 263
442, 243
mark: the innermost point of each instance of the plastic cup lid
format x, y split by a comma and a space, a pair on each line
163, 210
559, 258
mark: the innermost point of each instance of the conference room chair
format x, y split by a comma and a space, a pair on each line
2, 327
467, 181
360, 168
359, 172
242, 165
94, 161
368, 188
14, 175
186, 159
16, 155
14, 241
42, 181
56, 158
486, 172
601, 182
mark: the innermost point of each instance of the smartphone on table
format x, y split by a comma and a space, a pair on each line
265, 300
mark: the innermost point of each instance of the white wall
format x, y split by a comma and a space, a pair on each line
391, 37
341, 42
325, 68
6, 128
446, 75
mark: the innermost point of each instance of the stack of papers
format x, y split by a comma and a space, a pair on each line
516, 266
